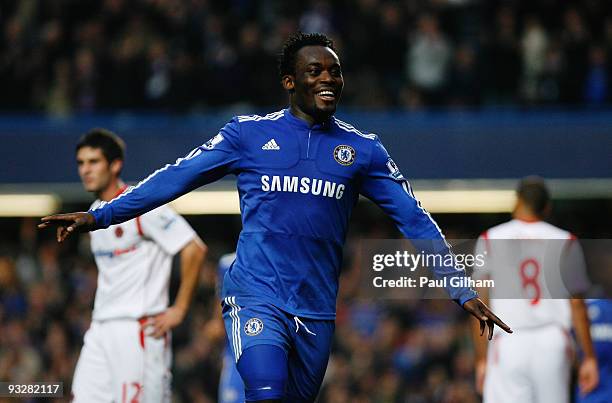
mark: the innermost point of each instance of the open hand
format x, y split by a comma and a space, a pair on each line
68, 223
486, 317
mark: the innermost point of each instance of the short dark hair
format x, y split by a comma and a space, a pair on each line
533, 192
112, 146
286, 59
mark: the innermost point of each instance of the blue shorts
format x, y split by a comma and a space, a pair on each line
278, 355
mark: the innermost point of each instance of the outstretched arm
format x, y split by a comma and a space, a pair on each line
385, 185
203, 165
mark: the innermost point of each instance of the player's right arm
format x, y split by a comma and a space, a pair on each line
386, 186
204, 164
575, 276
588, 374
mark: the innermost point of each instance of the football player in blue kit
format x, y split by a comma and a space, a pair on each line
299, 173
600, 314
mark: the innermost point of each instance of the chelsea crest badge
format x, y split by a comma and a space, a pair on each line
344, 155
253, 327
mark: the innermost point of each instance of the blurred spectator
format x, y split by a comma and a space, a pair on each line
465, 85
12, 299
607, 34
576, 49
428, 59
318, 18
19, 360
85, 80
59, 98
256, 83
124, 68
534, 45
550, 82
388, 55
502, 60
597, 77
158, 81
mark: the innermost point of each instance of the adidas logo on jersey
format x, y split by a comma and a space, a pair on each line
270, 145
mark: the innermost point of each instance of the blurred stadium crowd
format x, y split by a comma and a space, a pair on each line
408, 351
66, 56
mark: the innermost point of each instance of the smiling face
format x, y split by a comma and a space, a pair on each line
317, 84
96, 173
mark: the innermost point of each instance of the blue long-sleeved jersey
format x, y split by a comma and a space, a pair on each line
297, 185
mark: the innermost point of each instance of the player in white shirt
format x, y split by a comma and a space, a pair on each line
126, 355
536, 268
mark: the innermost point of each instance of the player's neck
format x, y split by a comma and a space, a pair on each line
525, 216
114, 189
309, 119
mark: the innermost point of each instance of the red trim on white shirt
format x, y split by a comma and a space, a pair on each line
139, 226
485, 236
570, 241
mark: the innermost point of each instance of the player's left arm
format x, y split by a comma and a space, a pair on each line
384, 184
588, 374
173, 234
574, 273
191, 256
